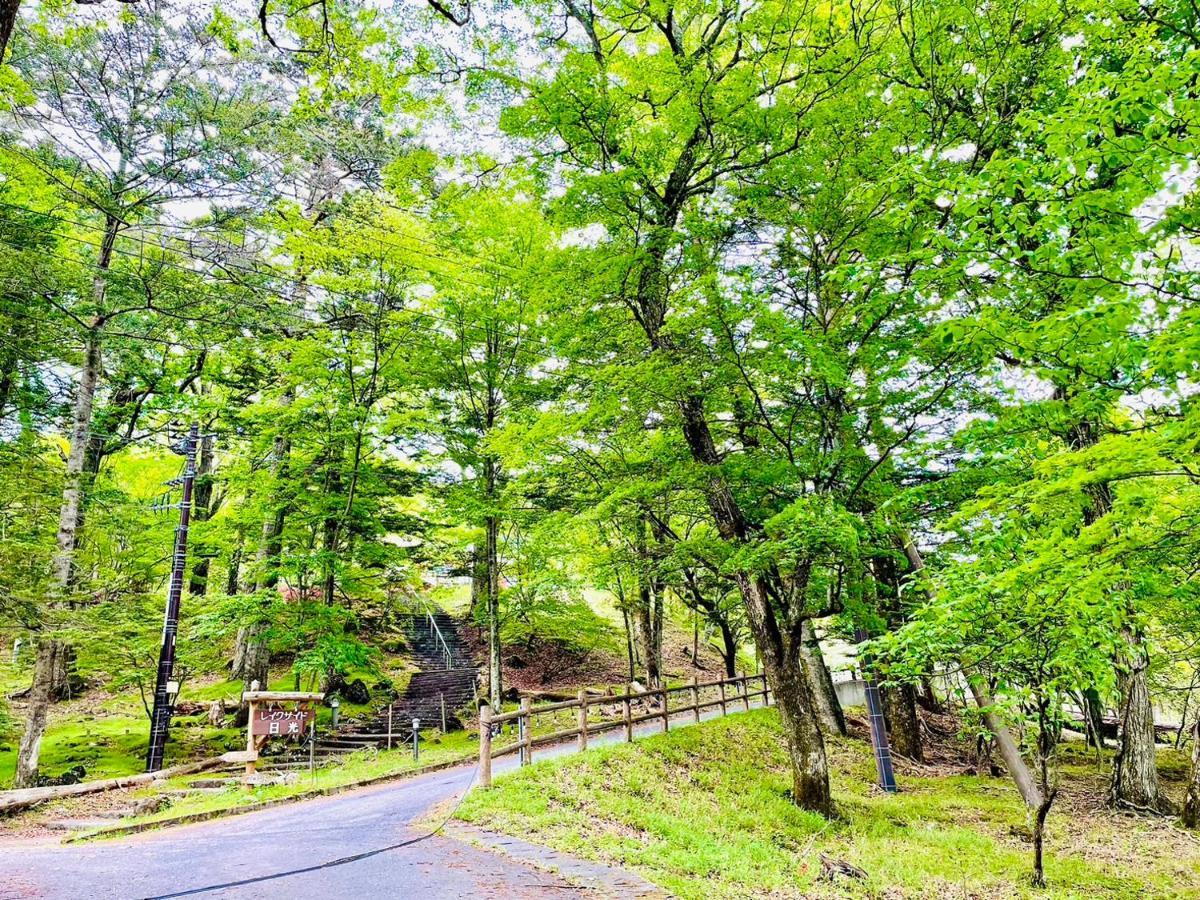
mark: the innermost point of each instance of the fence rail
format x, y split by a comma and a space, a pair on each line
617, 711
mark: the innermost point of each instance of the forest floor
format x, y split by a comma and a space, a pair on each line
704, 812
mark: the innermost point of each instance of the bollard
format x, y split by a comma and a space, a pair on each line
416, 740
527, 731
628, 718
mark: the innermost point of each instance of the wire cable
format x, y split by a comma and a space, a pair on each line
333, 863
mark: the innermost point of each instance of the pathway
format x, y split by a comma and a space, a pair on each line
180, 861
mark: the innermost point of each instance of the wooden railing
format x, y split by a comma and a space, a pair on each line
616, 711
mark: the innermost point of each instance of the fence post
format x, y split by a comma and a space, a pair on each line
628, 718
696, 697
583, 719
745, 691
723, 696
666, 712
527, 719
389, 742
485, 746
766, 690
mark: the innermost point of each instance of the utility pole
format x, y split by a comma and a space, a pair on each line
165, 688
879, 735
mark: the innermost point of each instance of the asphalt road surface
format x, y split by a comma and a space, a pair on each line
274, 846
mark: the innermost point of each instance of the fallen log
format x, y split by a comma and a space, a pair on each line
12, 801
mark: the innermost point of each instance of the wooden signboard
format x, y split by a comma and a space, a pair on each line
275, 721
284, 714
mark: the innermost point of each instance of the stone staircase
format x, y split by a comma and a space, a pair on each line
446, 678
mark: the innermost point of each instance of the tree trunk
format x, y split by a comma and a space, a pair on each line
8, 372
1191, 803
1018, 771
777, 640
233, 574
495, 654
331, 527
648, 610
202, 499
826, 703
791, 687
904, 724
1093, 718
72, 497
1135, 773
649, 629
1039, 838
252, 654
8, 21
478, 582
729, 648
52, 670
49, 659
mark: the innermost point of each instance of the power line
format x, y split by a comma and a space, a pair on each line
341, 861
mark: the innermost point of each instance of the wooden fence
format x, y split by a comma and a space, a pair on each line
616, 711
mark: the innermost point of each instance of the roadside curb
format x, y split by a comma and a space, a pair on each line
208, 815
601, 879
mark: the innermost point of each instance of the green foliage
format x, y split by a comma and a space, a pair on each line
698, 817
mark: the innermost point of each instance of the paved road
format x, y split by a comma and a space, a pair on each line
282, 839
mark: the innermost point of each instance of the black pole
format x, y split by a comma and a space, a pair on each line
879, 735
160, 720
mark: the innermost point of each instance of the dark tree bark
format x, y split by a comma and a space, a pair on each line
1135, 767
728, 648
39, 705
828, 707
1093, 718
495, 651
252, 654
203, 498
648, 608
233, 575
8, 21
904, 725
1191, 802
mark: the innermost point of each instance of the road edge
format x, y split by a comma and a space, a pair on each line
312, 794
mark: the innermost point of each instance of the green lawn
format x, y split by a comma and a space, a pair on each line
703, 812
349, 769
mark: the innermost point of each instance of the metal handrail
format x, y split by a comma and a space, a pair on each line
437, 632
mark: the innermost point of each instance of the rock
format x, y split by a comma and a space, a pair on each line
356, 692
147, 805
386, 688
73, 775
832, 868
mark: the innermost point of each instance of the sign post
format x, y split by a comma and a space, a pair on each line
280, 714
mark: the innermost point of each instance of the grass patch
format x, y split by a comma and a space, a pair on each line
111, 745
704, 812
349, 769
